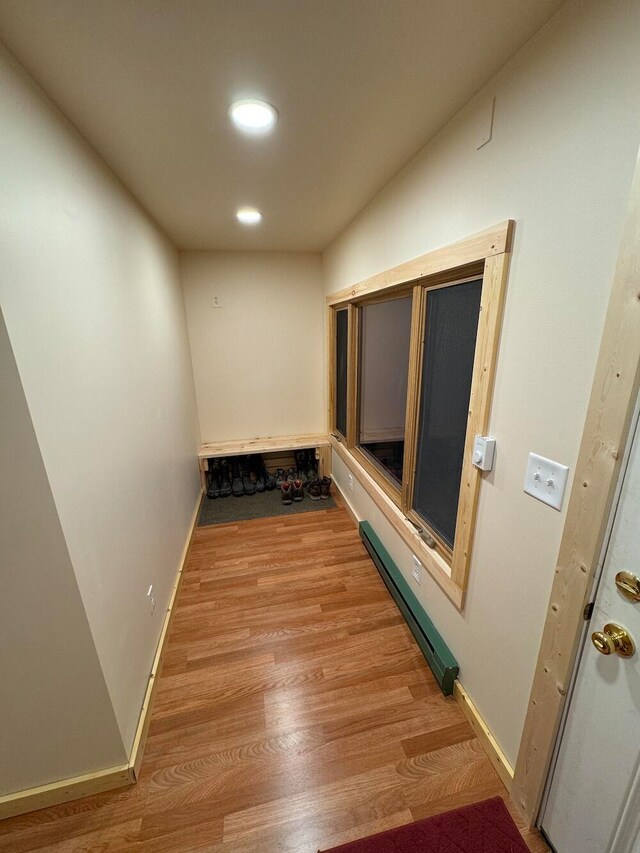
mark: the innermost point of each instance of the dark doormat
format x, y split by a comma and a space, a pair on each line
481, 828
229, 510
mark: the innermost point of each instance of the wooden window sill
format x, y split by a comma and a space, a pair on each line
433, 562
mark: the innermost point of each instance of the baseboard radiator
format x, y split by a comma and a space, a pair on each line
443, 664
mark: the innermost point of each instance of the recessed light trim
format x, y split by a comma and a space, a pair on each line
253, 116
249, 216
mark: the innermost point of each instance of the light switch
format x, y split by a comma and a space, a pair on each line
546, 480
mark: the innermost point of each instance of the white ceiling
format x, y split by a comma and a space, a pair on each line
360, 86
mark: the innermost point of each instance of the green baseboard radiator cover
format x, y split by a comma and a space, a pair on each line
443, 664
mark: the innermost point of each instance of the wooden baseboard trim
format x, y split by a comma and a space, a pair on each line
61, 792
344, 503
140, 739
489, 743
110, 778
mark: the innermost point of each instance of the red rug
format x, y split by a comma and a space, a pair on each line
481, 828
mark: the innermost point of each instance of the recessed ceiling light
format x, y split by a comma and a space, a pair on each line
253, 116
248, 216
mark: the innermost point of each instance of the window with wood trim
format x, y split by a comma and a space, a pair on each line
340, 376
417, 391
384, 334
450, 324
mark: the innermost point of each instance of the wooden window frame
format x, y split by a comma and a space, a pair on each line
484, 255
332, 333
418, 340
391, 489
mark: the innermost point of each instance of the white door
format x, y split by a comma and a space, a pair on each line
593, 805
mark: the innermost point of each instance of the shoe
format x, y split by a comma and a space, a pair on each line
314, 489
291, 475
287, 492
213, 480
225, 479
280, 477
248, 484
297, 490
237, 489
301, 465
325, 488
260, 472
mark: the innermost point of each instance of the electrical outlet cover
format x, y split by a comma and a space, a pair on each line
417, 566
546, 480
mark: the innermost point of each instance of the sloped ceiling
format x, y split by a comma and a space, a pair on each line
360, 87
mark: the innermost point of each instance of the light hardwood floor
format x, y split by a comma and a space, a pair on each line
294, 711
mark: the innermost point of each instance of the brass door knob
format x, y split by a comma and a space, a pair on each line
613, 638
629, 585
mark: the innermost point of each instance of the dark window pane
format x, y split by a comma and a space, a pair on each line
385, 330
342, 327
450, 338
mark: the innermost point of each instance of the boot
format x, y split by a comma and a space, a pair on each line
314, 489
248, 484
259, 471
225, 479
301, 464
237, 489
213, 483
325, 488
312, 465
268, 479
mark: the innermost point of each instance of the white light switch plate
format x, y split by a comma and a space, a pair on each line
546, 480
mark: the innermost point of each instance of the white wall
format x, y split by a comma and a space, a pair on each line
258, 359
57, 718
92, 301
566, 134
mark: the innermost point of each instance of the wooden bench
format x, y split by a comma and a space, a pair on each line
262, 445
270, 445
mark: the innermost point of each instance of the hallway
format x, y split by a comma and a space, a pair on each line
294, 710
